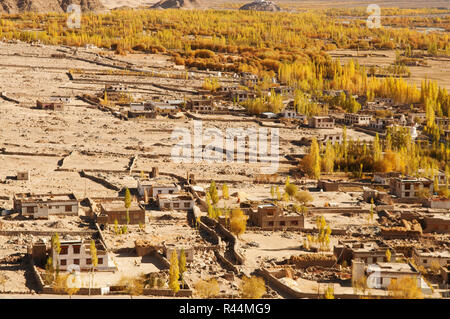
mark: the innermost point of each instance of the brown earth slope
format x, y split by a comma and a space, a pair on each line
16, 6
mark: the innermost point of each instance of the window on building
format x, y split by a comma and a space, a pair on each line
30, 210
187, 205
270, 223
408, 186
167, 205
63, 262
176, 205
64, 250
406, 194
159, 191
76, 261
171, 191
88, 261
294, 222
76, 249
282, 223
100, 261
68, 208
425, 261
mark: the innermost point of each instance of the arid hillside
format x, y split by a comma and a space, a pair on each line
16, 6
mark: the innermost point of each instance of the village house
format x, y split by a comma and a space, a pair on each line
443, 122
178, 201
427, 258
409, 187
163, 108
358, 119
117, 88
385, 178
290, 113
249, 79
283, 89
383, 273
380, 102
23, 175
321, 122
43, 205
137, 107
77, 253
272, 217
242, 95
437, 223
369, 252
155, 187
112, 211
437, 203
416, 118
50, 105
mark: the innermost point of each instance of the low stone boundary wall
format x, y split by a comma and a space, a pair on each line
100, 181
225, 262
46, 232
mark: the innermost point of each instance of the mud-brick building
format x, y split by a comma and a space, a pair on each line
50, 105
272, 217
43, 205
438, 223
110, 212
369, 252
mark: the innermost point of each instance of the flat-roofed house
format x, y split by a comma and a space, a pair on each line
50, 105
369, 252
382, 273
110, 212
427, 258
76, 255
178, 201
321, 122
409, 187
156, 187
23, 175
358, 119
272, 217
43, 205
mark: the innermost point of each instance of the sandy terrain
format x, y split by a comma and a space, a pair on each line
437, 69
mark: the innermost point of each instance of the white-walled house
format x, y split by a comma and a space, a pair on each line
76, 253
154, 188
179, 201
43, 205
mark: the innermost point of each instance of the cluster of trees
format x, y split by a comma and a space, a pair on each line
396, 152
322, 240
244, 40
270, 103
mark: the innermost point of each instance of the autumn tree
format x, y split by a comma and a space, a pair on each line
405, 288
127, 203
207, 289
174, 273
182, 264
225, 194
238, 222
253, 287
